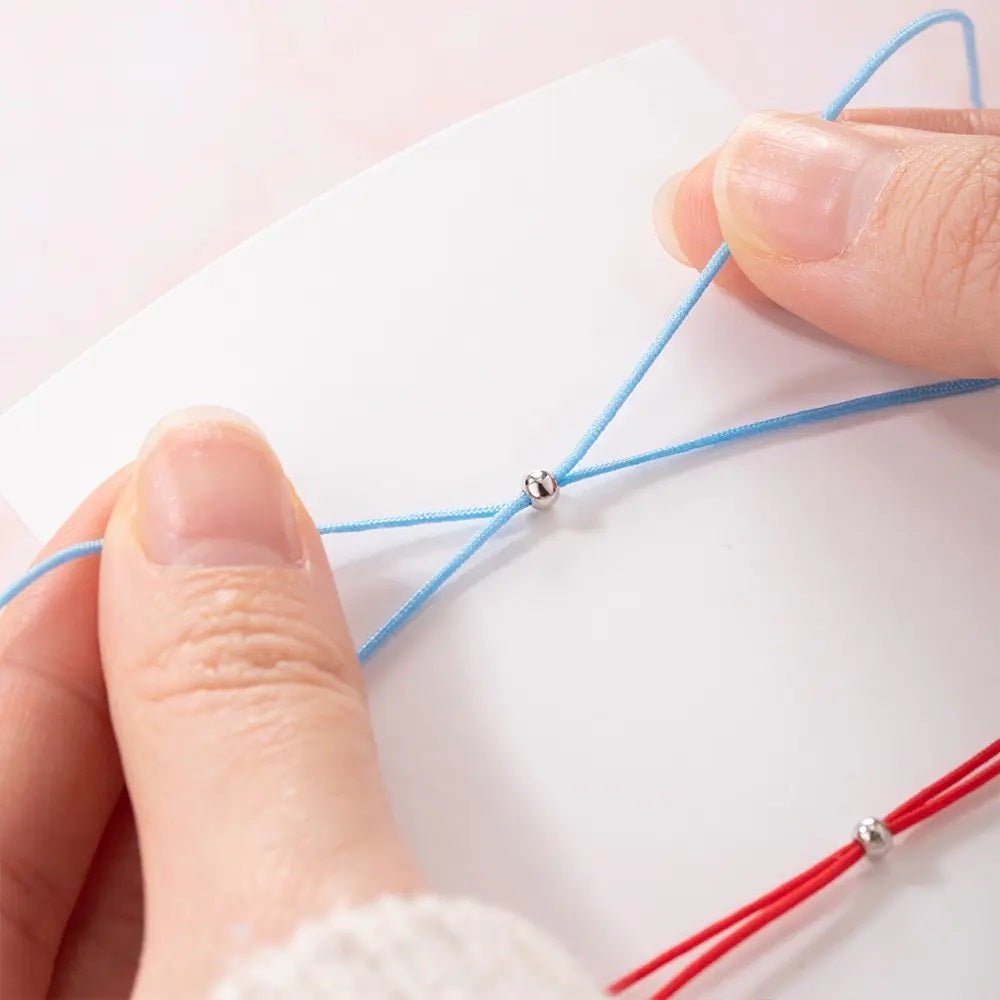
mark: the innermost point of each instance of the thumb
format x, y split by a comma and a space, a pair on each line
237, 703
886, 237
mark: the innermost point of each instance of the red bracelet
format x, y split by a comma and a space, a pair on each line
872, 838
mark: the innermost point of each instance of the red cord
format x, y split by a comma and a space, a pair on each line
904, 822
984, 755
851, 857
785, 897
719, 926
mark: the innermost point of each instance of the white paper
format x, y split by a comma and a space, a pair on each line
686, 683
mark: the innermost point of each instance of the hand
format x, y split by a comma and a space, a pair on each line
883, 230
234, 707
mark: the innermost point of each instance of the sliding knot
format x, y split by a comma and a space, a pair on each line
541, 488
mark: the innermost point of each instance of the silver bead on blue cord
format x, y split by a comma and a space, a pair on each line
874, 836
541, 488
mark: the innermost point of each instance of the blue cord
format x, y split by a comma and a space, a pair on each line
48, 564
800, 418
408, 520
719, 258
449, 569
567, 472
674, 321
898, 40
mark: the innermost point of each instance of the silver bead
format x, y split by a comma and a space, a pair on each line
542, 489
874, 836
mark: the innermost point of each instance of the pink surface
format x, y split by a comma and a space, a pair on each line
143, 141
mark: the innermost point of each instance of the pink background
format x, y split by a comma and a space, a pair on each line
142, 140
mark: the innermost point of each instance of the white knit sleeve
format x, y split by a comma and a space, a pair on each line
407, 948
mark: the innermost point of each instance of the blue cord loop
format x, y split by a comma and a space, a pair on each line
568, 471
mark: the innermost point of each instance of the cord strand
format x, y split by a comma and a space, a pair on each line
758, 428
852, 855
945, 782
712, 930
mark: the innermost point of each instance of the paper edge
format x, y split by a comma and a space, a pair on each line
345, 184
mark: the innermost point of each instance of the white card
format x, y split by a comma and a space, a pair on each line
684, 684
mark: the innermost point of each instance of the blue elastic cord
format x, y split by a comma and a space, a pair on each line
408, 520
48, 564
567, 472
800, 418
758, 428
898, 40
705, 278
448, 570
719, 258
622, 393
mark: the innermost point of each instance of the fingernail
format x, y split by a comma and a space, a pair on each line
663, 218
211, 492
800, 188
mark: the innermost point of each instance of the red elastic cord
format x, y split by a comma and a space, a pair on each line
772, 905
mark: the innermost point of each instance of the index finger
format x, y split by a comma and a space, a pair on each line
59, 770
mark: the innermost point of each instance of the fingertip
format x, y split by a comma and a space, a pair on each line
663, 217
197, 418
736, 165
687, 225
